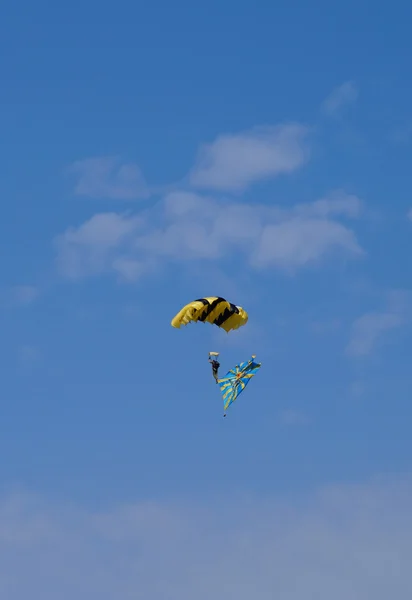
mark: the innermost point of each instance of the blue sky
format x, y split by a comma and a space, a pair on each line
155, 154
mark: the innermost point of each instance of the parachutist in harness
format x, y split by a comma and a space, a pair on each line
215, 366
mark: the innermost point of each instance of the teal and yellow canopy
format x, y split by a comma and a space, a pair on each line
235, 380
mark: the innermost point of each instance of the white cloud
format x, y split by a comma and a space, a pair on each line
337, 203
129, 269
185, 227
107, 177
96, 245
345, 94
308, 232
233, 162
297, 242
372, 328
342, 542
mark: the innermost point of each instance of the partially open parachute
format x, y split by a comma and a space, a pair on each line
235, 380
214, 310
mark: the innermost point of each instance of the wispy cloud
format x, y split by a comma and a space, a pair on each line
29, 357
299, 242
108, 177
326, 326
294, 417
96, 246
401, 134
369, 329
187, 227
340, 542
337, 203
358, 389
234, 161
25, 294
372, 328
18, 295
308, 232
341, 96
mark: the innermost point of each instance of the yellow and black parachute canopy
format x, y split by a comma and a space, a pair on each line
214, 310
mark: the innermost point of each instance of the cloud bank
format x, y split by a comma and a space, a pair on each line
187, 227
341, 542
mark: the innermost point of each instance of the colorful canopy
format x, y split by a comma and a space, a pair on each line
214, 310
235, 380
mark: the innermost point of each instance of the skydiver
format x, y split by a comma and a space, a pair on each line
215, 367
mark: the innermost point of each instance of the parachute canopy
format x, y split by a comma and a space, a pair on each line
214, 310
235, 381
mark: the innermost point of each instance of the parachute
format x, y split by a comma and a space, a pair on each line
214, 310
235, 381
